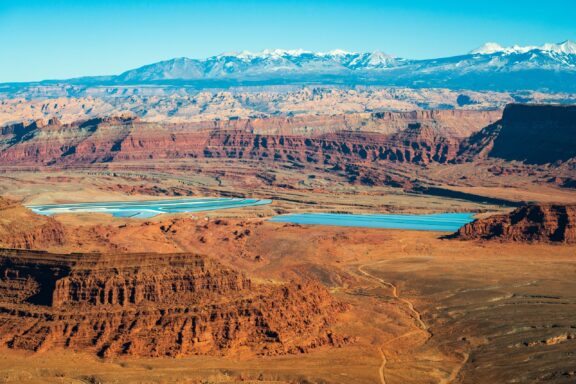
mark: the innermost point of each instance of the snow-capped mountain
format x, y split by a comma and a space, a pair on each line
567, 47
548, 56
550, 67
263, 65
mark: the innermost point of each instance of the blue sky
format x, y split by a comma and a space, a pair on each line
63, 39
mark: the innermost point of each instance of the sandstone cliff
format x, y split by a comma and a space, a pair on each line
530, 223
534, 134
417, 137
155, 305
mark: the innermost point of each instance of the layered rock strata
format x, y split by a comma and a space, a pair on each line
416, 137
533, 134
155, 305
531, 223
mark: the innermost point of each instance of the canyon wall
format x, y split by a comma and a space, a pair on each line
533, 134
537, 134
155, 305
418, 137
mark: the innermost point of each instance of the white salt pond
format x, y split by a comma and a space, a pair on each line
148, 208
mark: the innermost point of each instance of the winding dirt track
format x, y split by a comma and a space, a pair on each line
382, 366
416, 315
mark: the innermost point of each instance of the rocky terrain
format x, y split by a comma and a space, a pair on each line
172, 104
419, 137
155, 305
21, 228
399, 301
531, 223
528, 133
146, 304
354, 146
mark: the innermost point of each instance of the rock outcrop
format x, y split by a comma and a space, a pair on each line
534, 134
530, 223
155, 305
21, 228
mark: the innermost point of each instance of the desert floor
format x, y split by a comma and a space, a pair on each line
422, 309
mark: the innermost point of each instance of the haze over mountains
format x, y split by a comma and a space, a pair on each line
550, 67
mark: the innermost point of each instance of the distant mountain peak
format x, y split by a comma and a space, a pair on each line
336, 52
488, 49
566, 47
271, 53
265, 53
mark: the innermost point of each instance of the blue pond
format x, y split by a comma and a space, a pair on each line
151, 208
449, 222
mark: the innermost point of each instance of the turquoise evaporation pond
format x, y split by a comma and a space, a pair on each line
151, 208
448, 222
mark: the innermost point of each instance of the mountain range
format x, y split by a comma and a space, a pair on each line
550, 67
